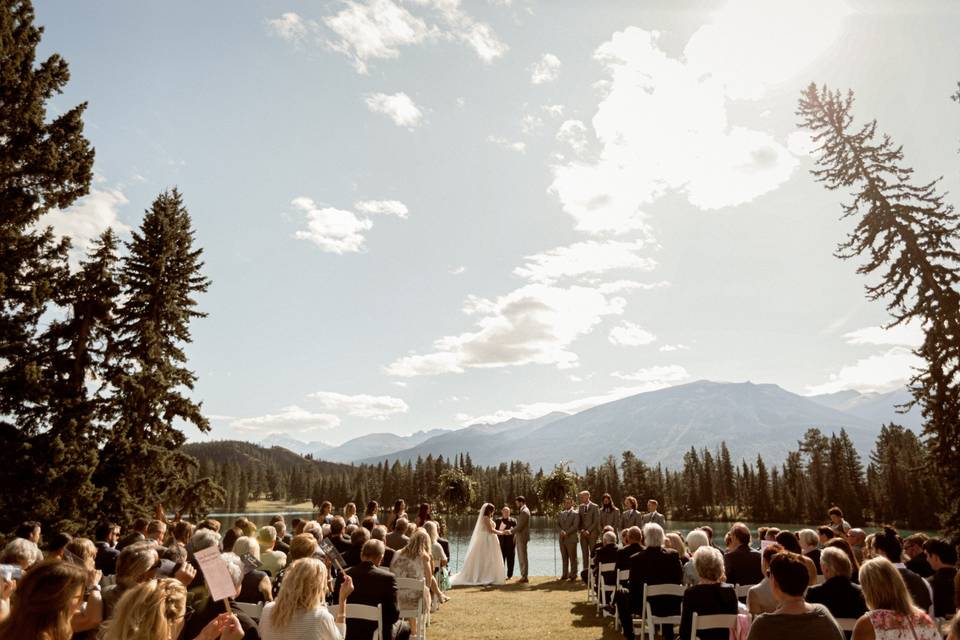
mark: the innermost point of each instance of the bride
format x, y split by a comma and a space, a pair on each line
484, 562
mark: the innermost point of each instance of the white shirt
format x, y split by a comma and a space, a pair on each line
309, 624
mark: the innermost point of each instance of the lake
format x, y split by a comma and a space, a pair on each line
543, 550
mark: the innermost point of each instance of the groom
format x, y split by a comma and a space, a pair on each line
521, 536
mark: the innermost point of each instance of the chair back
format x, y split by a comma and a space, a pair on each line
623, 578
369, 613
252, 610
717, 621
649, 620
846, 624
414, 586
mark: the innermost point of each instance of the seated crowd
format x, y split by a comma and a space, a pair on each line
289, 585
834, 583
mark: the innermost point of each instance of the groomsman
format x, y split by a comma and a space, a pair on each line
568, 521
630, 517
652, 515
589, 513
507, 544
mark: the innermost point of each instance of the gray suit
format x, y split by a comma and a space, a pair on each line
590, 522
631, 518
521, 536
655, 517
568, 523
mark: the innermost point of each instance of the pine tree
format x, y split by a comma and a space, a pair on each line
908, 235
160, 278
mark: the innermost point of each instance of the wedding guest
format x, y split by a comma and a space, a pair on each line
695, 539
442, 541
423, 514
303, 545
760, 597
413, 561
609, 514
943, 560
788, 540
373, 585
273, 560
83, 553
837, 593
350, 514
209, 610
631, 545
57, 544
568, 526
858, 542
886, 544
741, 563
843, 545
256, 583
397, 539
372, 511
892, 612
29, 530
326, 512
606, 554
138, 533
399, 511
652, 515
439, 556
300, 611
379, 532
282, 543
45, 600
340, 543
630, 517
675, 542
809, 541
589, 523
652, 565
21, 552
229, 538
136, 563
837, 523
710, 596
507, 543
916, 558
772, 534
794, 619
107, 535
824, 535
358, 538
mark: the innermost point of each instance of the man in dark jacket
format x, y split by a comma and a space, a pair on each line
651, 566
373, 585
887, 544
943, 560
107, 535
837, 593
631, 545
742, 565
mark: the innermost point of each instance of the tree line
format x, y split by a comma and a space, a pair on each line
895, 485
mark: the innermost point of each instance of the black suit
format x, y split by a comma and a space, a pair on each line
919, 565
838, 594
605, 555
106, 560
351, 557
281, 546
917, 587
508, 546
210, 610
707, 600
942, 582
743, 566
653, 565
623, 555
445, 545
373, 585
340, 543
814, 555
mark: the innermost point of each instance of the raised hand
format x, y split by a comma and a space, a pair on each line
186, 574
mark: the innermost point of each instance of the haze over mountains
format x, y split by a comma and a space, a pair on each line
658, 426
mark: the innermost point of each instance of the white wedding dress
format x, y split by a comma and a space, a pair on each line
484, 562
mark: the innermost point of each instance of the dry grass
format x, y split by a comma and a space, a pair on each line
544, 608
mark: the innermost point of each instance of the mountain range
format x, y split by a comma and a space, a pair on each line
658, 426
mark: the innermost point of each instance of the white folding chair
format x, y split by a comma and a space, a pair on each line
623, 579
846, 624
252, 610
605, 591
651, 621
591, 585
743, 590
717, 621
369, 613
419, 611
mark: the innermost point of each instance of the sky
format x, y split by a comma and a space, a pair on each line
430, 213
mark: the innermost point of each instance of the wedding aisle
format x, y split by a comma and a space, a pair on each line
544, 608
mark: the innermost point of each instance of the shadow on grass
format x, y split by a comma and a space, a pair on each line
585, 616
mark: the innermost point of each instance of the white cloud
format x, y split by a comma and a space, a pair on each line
290, 27
547, 69
385, 207
86, 219
663, 125
880, 372
555, 110
908, 334
340, 231
536, 323
573, 133
456, 271
661, 376
360, 406
367, 30
291, 418
630, 334
397, 106
531, 124
518, 146
673, 347
584, 258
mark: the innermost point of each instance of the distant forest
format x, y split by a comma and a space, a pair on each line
893, 486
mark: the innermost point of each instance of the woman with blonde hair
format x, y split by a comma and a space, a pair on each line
157, 610
83, 553
44, 602
300, 612
695, 539
892, 614
350, 514
439, 559
137, 563
414, 561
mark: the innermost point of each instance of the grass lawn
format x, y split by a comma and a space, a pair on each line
277, 506
544, 608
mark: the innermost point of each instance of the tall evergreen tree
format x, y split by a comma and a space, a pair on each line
908, 235
160, 277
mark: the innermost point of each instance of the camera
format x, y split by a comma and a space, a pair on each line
11, 571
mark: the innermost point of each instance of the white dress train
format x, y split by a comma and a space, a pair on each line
483, 564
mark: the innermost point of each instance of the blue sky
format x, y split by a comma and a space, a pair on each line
423, 213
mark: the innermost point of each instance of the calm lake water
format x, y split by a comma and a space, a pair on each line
543, 550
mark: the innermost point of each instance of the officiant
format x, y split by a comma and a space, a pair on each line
507, 545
